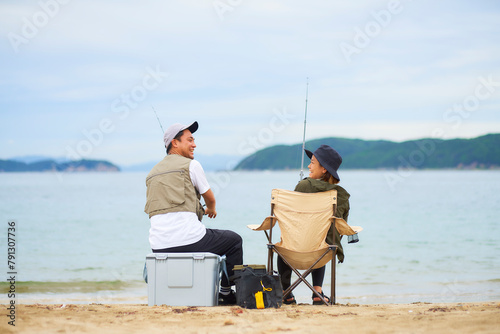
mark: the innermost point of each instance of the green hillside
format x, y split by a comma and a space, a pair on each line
480, 152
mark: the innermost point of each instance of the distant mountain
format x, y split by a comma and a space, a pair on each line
481, 152
53, 166
33, 158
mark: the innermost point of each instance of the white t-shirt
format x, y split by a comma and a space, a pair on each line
180, 228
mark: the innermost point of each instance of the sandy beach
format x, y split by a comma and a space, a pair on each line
483, 317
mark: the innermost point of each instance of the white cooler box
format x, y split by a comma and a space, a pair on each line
183, 279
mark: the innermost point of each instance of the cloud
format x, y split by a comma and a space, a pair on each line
232, 72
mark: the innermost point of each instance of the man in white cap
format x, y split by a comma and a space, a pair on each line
174, 188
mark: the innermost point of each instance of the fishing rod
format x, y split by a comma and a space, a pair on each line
304, 136
158, 119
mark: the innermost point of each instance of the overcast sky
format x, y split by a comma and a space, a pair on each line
79, 78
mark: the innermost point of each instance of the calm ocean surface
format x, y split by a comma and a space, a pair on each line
429, 236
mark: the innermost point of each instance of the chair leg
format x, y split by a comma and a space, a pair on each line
332, 286
302, 277
267, 236
270, 261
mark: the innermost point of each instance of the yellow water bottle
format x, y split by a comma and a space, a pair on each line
259, 300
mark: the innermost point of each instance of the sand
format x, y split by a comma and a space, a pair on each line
482, 317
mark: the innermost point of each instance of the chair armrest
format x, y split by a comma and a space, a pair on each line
267, 224
344, 228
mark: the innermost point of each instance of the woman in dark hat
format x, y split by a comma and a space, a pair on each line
323, 176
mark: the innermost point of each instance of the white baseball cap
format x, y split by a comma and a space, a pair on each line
174, 129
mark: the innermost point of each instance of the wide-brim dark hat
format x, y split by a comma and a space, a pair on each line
328, 158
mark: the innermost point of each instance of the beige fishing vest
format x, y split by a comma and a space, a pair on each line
169, 188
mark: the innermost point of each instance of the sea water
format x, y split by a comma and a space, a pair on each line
429, 236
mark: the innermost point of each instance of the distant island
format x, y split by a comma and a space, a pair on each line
428, 153
477, 153
53, 166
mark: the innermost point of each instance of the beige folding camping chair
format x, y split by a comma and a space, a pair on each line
304, 220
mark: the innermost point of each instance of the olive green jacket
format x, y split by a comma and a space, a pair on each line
309, 185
